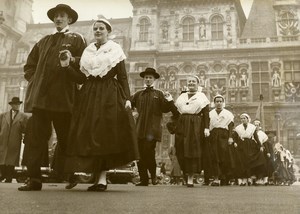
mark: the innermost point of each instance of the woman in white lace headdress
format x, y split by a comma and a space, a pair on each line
192, 128
250, 150
102, 134
268, 151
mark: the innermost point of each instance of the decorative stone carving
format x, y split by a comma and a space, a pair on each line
232, 93
292, 91
288, 23
233, 83
276, 78
244, 78
171, 77
165, 30
217, 87
163, 81
202, 29
244, 93
276, 93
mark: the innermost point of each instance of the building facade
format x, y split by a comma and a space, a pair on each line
253, 62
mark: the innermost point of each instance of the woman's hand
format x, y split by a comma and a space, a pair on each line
128, 105
206, 132
230, 140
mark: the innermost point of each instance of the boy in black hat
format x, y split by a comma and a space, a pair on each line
150, 104
12, 126
52, 71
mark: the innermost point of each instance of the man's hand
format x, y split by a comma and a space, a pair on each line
65, 58
168, 96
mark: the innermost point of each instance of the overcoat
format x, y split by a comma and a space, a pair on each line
11, 137
51, 87
150, 104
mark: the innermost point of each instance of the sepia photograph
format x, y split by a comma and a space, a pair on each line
149, 106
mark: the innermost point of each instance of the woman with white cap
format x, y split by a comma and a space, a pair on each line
221, 126
268, 170
249, 148
192, 128
102, 134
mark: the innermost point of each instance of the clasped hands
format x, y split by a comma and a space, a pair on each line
65, 57
168, 96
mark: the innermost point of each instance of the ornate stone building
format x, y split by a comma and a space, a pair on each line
243, 59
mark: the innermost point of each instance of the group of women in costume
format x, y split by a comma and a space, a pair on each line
102, 134
207, 140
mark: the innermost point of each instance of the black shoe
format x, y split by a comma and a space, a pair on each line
8, 180
97, 188
224, 182
71, 185
154, 181
214, 183
141, 184
31, 186
205, 184
72, 182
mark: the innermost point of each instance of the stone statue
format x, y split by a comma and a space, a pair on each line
276, 79
232, 79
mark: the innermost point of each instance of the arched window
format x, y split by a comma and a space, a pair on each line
188, 29
217, 28
144, 29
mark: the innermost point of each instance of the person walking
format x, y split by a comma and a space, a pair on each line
192, 128
12, 127
250, 150
263, 138
150, 104
221, 126
102, 134
52, 71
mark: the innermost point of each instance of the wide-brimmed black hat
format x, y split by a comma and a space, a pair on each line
63, 7
15, 100
150, 71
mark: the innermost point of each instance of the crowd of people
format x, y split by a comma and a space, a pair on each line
83, 91
242, 156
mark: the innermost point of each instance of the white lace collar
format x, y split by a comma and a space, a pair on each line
98, 62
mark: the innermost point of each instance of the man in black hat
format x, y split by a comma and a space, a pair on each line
52, 71
12, 126
150, 104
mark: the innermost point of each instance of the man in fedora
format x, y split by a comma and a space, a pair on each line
12, 126
150, 105
52, 71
